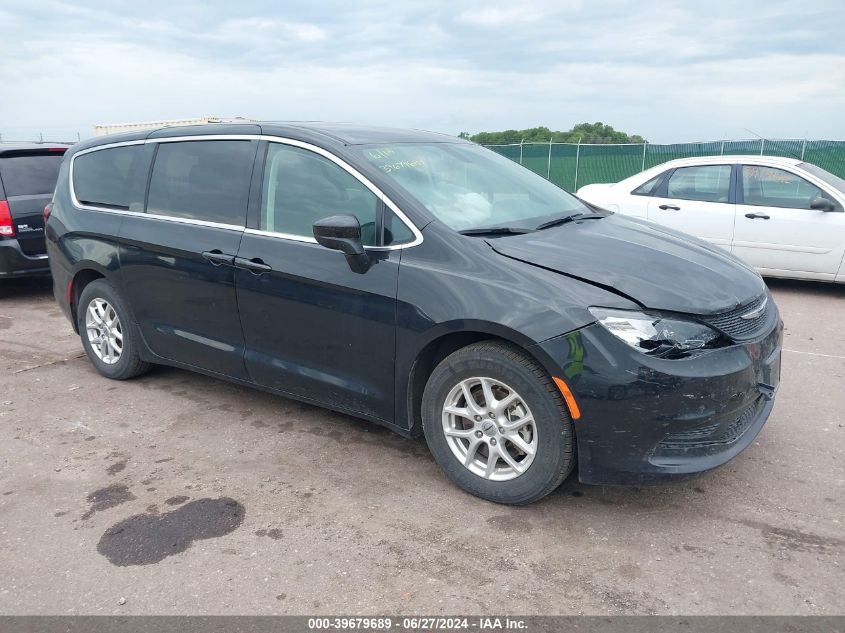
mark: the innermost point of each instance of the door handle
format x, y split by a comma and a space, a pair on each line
218, 257
756, 216
255, 265
669, 206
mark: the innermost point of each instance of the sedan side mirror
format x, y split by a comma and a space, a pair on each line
823, 204
343, 233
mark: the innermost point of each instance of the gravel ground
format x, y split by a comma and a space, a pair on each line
179, 494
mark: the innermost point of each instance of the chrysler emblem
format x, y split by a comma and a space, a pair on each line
756, 312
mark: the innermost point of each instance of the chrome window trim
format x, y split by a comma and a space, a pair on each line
286, 236
418, 237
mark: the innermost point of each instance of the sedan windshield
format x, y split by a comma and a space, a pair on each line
468, 187
818, 172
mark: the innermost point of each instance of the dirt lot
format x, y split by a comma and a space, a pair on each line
182, 494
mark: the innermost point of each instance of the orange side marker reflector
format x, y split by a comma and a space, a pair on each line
574, 411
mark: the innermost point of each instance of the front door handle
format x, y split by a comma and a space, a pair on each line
255, 265
756, 216
218, 257
669, 206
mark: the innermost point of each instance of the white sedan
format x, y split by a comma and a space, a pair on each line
781, 215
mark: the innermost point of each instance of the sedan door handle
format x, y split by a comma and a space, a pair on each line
218, 257
756, 216
669, 206
255, 265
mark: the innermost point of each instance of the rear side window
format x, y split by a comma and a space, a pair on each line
771, 187
113, 178
30, 175
710, 183
202, 180
301, 187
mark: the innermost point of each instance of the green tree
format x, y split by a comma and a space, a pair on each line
588, 133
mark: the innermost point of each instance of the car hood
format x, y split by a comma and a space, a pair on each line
656, 267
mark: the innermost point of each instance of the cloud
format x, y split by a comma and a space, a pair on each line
671, 71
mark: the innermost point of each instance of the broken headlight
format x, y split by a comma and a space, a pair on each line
666, 337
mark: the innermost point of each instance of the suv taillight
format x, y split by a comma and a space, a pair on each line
46, 213
7, 229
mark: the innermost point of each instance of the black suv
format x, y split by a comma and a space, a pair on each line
421, 282
28, 173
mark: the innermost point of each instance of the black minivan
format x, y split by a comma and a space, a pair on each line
421, 282
28, 173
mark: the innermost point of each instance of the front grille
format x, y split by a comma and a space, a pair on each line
732, 324
713, 434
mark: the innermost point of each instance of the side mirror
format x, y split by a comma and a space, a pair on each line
343, 233
823, 204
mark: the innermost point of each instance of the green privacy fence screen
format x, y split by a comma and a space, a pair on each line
572, 165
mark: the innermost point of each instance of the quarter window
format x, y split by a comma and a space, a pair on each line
709, 183
647, 188
301, 187
114, 178
395, 230
202, 180
771, 187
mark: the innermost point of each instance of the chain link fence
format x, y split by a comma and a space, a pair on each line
573, 165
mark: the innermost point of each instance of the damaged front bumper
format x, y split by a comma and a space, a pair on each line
651, 420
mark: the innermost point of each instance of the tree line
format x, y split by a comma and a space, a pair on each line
596, 133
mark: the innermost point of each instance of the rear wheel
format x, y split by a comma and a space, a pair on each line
497, 425
108, 334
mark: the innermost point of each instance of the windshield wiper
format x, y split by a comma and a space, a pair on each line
570, 218
496, 230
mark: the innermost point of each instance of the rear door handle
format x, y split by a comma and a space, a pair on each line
218, 257
669, 206
756, 216
255, 265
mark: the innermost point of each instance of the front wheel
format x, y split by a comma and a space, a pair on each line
109, 336
497, 425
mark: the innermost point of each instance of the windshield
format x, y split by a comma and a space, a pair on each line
468, 187
818, 172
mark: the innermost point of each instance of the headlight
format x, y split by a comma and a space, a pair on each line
657, 335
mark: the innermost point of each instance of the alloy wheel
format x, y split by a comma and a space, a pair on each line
489, 428
104, 330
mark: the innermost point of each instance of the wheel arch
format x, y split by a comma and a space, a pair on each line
442, 344
82, 276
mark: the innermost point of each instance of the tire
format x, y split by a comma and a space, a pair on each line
505, 369
119, 364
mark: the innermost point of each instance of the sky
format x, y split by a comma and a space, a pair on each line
669, 71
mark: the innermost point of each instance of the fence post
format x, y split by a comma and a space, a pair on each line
762, 145
722, 150
520, 150
803, 147
549, 168
644, 146
577, 158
